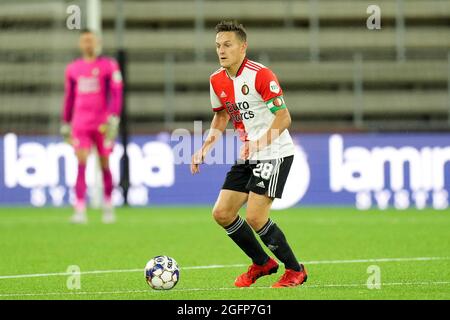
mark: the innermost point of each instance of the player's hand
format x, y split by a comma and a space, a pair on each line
66, 132
196, 161
110, 129
247, 149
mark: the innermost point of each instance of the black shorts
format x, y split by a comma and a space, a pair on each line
261, 177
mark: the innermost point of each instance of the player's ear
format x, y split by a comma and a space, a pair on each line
244, 47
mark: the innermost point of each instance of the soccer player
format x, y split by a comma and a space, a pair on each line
249, 94
91, 113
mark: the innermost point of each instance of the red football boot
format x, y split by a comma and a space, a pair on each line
291, 278
254, 272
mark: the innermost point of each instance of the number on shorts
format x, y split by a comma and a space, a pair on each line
263, 170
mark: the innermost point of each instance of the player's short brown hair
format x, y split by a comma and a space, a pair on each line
232, 26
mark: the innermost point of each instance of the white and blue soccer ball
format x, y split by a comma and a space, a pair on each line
162, 273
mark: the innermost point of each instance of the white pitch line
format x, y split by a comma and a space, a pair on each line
220, 266
377, 260
423, 283
149, 291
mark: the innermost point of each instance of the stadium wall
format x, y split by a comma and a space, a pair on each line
362, 170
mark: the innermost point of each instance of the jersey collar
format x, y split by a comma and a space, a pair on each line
241, 68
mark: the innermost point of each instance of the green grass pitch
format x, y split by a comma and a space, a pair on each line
411, 250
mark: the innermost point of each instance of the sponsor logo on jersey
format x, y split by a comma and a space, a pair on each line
223, 94
88, 85
238, 106
245, 90
95, 72
239, 111
273, 86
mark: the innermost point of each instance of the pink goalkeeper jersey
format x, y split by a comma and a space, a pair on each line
93, 91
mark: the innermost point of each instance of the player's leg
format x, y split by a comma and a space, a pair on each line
82, 144
107, 177
80, 187
227, 206
104, 153
225, 213
232, 197
258, 210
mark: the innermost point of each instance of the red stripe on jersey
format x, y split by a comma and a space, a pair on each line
249, 63
251, 68
254, 62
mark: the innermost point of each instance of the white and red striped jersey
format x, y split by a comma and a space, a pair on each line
251, 98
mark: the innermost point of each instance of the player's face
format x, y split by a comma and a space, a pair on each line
88, 44
230, 49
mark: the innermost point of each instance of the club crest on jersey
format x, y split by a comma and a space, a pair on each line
245, 89
95, 72
273, 86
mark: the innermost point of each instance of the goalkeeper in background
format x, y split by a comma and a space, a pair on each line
90, 117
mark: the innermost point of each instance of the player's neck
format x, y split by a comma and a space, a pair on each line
234, 69
89, 58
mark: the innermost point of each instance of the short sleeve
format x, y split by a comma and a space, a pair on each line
216, 104
267, 85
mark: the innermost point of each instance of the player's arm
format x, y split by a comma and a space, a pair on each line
69, 101
218, 126
281, 122
115, 90
115, 102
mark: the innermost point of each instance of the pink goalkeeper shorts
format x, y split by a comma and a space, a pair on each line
85, 138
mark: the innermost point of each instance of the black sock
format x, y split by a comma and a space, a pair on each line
274, 239
243, 236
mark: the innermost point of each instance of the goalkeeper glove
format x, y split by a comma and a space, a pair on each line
66, 131
111, 129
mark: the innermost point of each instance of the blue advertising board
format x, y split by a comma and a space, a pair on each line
362, 170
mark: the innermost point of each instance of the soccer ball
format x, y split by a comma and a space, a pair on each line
162, 273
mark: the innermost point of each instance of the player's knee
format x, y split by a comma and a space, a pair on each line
82, 155
255, 222
222, 216
82, 159
104, 162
